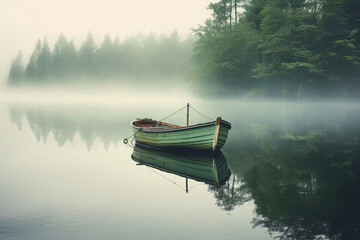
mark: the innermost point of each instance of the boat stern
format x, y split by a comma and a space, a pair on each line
221, 133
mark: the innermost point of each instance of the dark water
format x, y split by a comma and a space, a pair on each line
294, 174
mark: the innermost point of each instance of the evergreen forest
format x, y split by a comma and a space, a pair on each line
137, 57
279, 48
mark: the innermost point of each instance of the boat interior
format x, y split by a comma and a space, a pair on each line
148, 122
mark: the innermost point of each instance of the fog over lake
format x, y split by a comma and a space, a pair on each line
75, 76
66, 173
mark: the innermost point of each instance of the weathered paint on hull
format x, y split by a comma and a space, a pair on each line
208, 168
199, 136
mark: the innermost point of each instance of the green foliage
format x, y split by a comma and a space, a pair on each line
272, 45
229, 56
309, 43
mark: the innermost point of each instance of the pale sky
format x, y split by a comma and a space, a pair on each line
22, 22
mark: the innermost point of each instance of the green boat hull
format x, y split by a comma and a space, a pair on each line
200, 136
208, 168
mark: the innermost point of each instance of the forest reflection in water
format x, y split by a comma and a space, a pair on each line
300, 164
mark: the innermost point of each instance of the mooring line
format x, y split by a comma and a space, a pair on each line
125, 141
201, 113
173, 113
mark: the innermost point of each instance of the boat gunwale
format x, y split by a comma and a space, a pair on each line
159, 129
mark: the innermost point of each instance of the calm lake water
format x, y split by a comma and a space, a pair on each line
288, 170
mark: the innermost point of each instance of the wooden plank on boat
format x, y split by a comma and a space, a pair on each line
216, 134
167, 124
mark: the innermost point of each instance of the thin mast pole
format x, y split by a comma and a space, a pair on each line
187, 114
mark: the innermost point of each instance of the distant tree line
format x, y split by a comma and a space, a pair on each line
281, 47
137, 56
287, 48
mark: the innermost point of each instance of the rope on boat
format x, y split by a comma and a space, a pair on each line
126, 140
185, 107
173, 113
200, 113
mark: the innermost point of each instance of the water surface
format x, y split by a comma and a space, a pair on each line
65, 173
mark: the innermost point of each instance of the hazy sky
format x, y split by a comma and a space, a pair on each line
22, 22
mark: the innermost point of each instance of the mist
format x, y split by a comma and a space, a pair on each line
278, 82
235, 50
23, 22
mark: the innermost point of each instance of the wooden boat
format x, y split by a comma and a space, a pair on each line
208, 168
204, 136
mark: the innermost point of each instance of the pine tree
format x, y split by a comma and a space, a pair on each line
31, 70
58, 57
16, 73
87, 58
106, 56
70, 57
44, 61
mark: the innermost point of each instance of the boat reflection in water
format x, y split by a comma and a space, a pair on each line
210, 168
